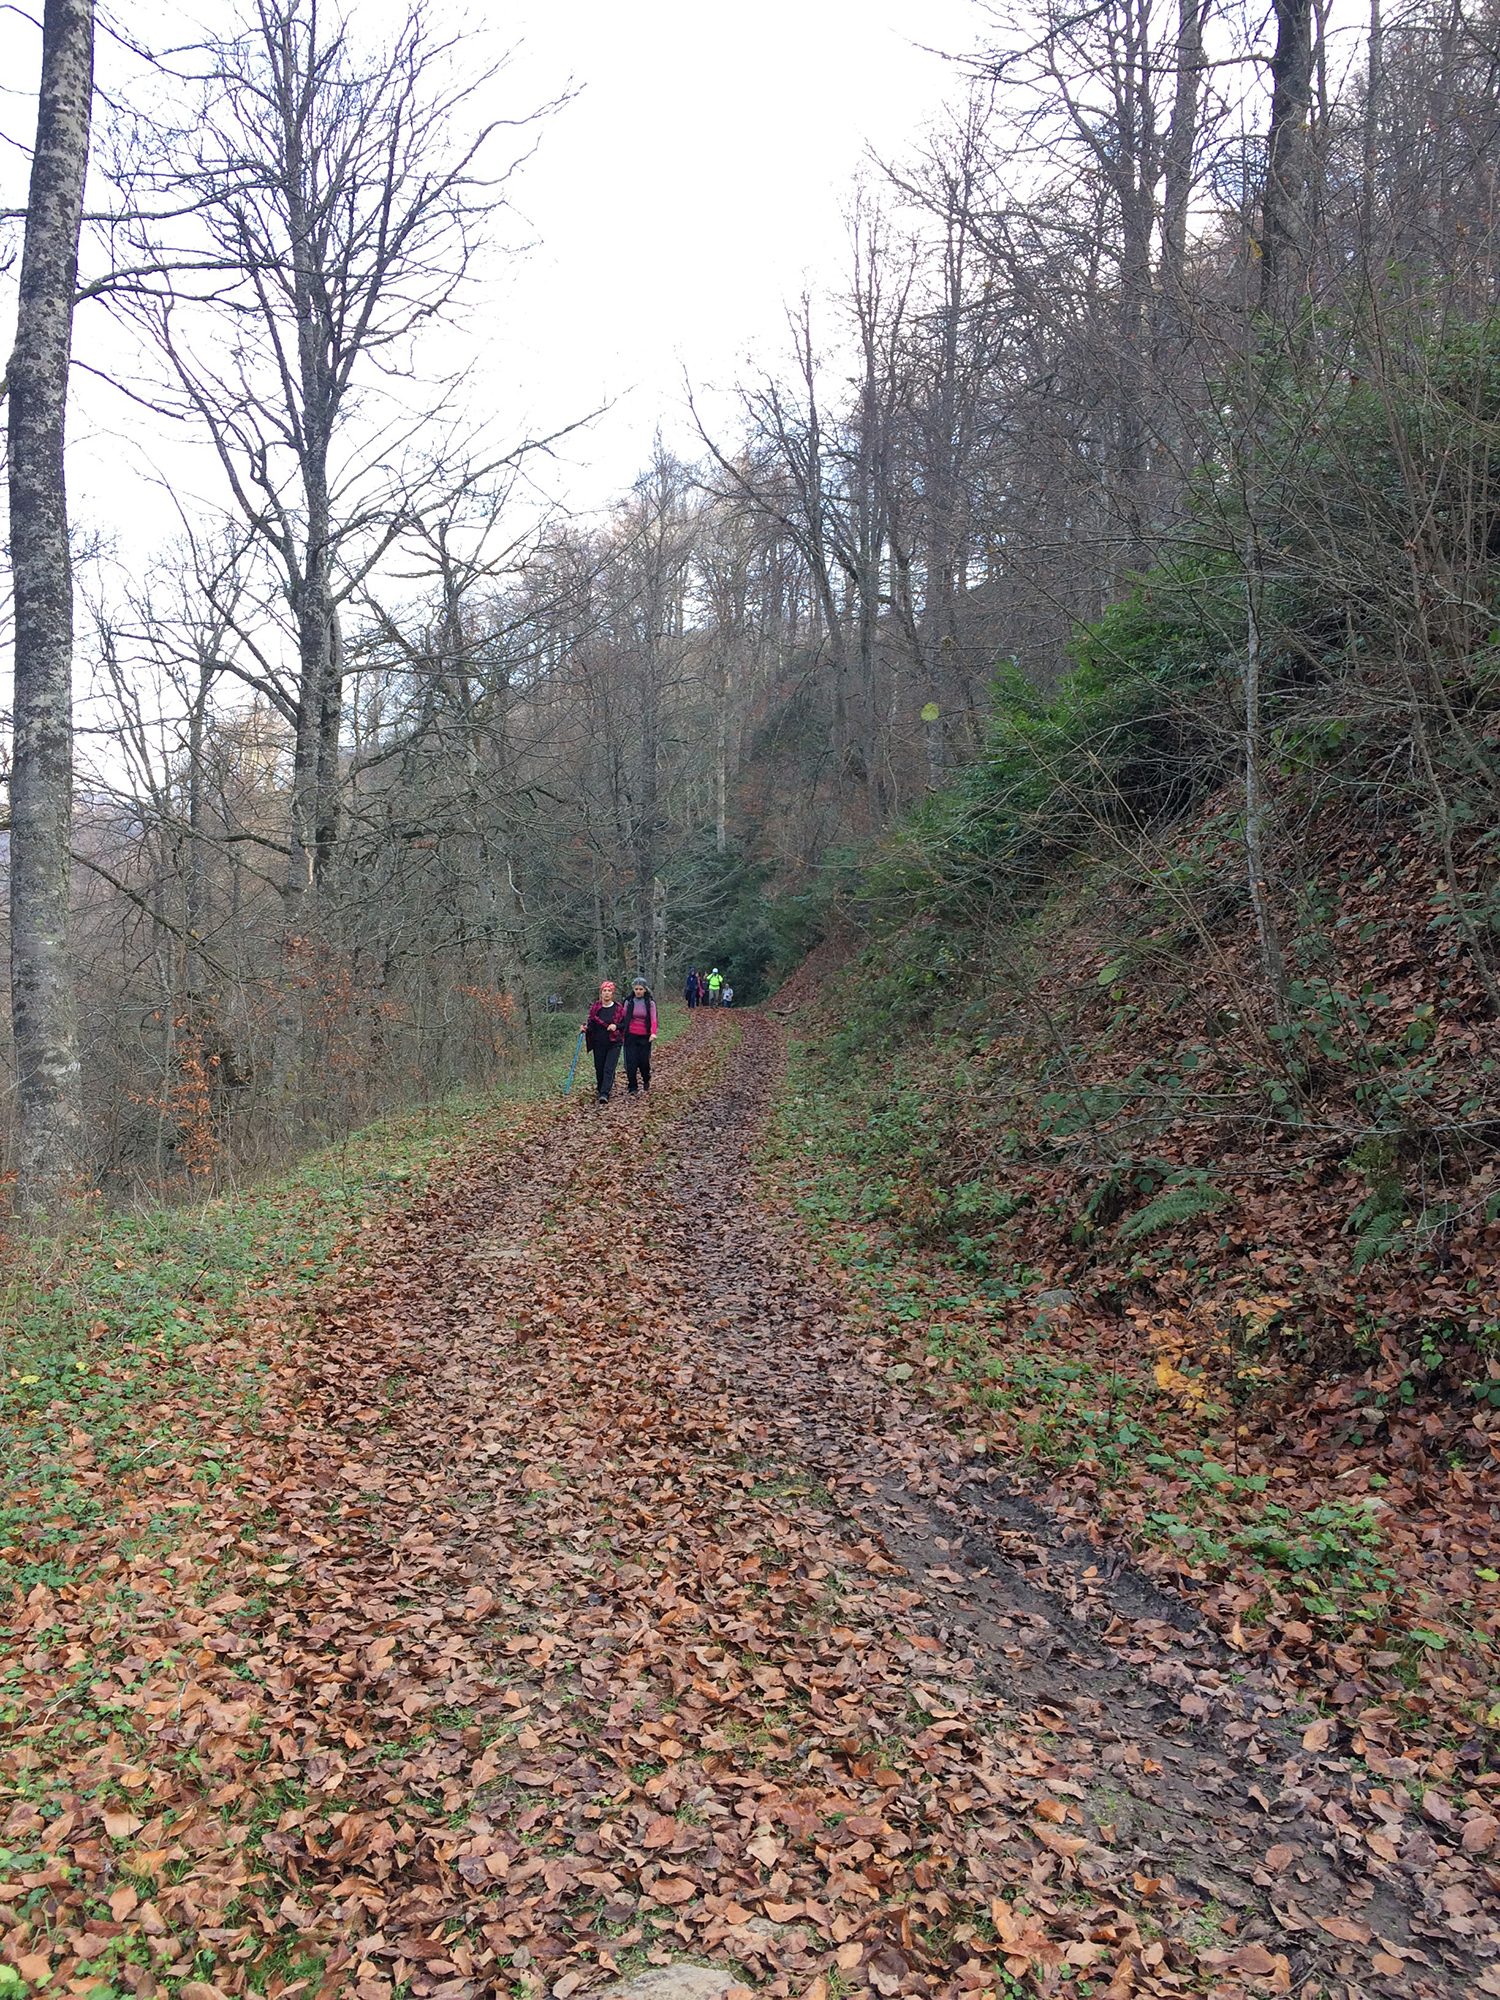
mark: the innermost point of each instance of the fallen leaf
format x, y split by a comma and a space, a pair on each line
1084, 1953
887, 1970
1253, 1959
1346, 1929
1064, 1844
673, 1889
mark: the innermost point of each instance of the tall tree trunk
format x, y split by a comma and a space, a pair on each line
721, 764
330, 726
44, 1011
195, 978
1273, 965
307, 854
647, 828
601, 963
314, 634
1286, 252
1179, 157
1285, 246
1373, 84
513, 947
659, 935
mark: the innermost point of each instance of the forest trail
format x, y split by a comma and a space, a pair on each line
603, 1602
693, 1637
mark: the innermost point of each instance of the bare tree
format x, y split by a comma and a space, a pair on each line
342, 203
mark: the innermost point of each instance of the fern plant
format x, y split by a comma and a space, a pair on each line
1187, 1194
1376, 1222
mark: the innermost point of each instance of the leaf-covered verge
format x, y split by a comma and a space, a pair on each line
139, 1359
1224, 1294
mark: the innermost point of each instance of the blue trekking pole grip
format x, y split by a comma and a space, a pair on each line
576, 1054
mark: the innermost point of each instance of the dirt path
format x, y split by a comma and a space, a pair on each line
622, 1611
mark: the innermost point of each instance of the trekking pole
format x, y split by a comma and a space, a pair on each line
576, 1054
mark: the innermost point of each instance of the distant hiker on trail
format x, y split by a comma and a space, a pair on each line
726, 998
640, 1035
601, 1034
690, 991
715, 986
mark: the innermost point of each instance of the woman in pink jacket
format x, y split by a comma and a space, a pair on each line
638, 1032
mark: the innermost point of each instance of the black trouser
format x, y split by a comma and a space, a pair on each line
638, 1061
605, 1063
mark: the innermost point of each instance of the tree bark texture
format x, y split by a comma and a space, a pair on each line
1273, 964
43, 1004
1179, 160
1285, 218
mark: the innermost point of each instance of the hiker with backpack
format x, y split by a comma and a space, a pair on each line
715, 986
601, 1033
639, 1035
690, 992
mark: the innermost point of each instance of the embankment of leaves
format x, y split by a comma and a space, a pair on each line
1231, 1297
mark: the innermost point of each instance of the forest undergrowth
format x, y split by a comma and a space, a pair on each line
1225, 1301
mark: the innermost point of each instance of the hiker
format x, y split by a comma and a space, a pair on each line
715, 986
726, 998
690, 991
601, 1034
640, 1035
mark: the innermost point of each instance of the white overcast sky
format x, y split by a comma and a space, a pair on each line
692, 188
697, 185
